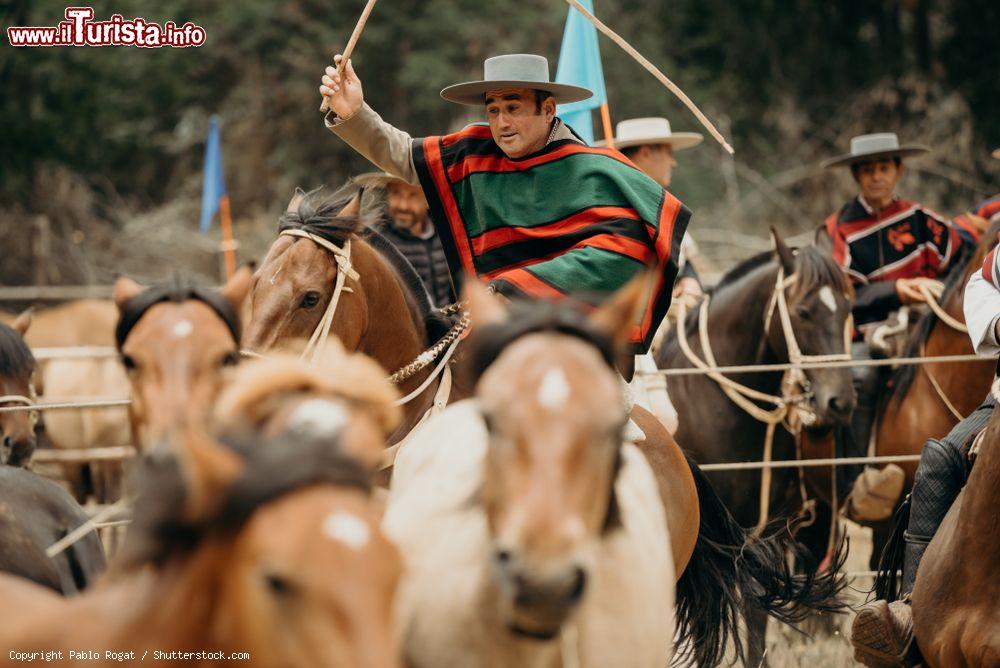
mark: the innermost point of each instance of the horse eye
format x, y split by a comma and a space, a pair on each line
309, 299
278, 584
231, 358
128, 363
803, 313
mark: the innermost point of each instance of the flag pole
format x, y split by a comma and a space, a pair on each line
609, 134
228, 245
652, 69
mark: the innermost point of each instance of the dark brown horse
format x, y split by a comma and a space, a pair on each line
35, 513
956, 599
381, 310
17, 372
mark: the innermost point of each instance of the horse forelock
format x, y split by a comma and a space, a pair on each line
489, 341
16, 360
176, 291
318, 213
816, 269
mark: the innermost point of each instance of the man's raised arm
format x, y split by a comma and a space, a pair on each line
352, 120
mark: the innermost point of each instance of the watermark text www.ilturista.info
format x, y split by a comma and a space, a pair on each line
80, 29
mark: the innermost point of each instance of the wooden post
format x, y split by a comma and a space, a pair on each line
609, 133
228, 245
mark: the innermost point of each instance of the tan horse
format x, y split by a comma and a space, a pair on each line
175, 341
278, 556
382, 311
956, 599
85, 322
545, 525
17, 373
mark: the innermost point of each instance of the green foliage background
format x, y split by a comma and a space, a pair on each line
790, 80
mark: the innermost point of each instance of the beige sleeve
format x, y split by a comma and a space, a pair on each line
387, 147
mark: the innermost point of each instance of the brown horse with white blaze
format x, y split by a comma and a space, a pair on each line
561, 522
175, 341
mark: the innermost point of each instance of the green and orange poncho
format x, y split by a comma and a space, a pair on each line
567, 220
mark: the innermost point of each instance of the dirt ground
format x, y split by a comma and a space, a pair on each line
826, 639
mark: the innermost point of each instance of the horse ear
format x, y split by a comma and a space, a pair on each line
616, 317
353, 207
484, 307
237, 288
23, 321
297, 197
125, 289
785, 254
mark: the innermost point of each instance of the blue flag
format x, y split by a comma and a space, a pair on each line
580, 65
214, 188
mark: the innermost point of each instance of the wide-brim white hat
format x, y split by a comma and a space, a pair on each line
865, 148
518, 70
651, 131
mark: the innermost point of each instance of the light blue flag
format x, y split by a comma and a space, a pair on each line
214, 188
580, 65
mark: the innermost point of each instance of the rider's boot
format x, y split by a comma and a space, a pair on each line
882, 633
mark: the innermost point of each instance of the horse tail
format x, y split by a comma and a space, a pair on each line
732, 570
891, 560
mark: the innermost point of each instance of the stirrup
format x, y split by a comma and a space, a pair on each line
882, 635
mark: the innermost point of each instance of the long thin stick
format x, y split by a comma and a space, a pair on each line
350, 45
671, 86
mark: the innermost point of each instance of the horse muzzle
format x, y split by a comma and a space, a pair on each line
536, 603
17, 451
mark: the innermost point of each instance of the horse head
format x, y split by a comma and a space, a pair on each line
818, 301
278, 539
345, 398
554, 408
17, 370
175, 340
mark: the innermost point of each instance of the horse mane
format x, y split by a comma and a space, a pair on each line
177, 290
902, 378
318, 213
16, 360
273, 468
257, 387
531, 317
813, 267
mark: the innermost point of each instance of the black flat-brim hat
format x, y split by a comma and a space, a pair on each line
518, 70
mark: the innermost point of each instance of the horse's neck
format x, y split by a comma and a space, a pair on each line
395, 332
981, 499
736, 327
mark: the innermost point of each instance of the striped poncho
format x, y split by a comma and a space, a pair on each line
569, 219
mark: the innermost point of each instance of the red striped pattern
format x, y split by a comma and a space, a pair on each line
502, 164
432, 153
507, 235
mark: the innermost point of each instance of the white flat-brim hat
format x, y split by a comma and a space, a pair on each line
865, 148
518, 70
654, 131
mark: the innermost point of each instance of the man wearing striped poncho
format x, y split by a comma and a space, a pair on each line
521, 201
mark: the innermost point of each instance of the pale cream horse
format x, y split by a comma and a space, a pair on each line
533, 535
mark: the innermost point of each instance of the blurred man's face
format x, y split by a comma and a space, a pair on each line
657, 161
407, 204
877, 181
519, 124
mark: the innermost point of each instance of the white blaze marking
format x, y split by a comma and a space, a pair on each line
348, 529
826, 296
183, 329
318, 417
553, 391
